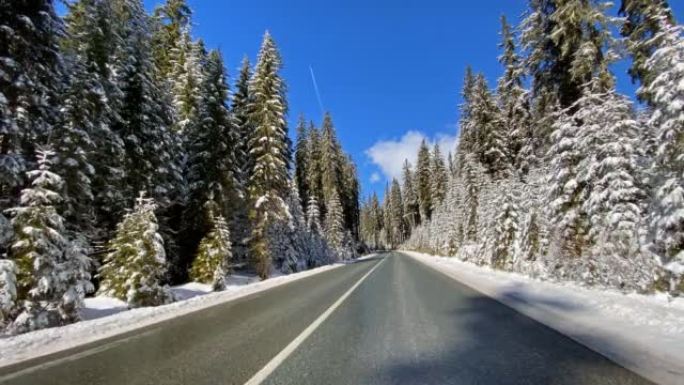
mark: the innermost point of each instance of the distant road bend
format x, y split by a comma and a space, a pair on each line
387, 320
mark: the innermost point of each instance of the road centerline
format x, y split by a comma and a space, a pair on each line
278, 359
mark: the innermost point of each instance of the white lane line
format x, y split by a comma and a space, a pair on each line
272, 365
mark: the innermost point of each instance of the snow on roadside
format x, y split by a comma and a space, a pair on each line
644, 333
106, 317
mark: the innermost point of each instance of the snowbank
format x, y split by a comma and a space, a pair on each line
106, 317
642, 333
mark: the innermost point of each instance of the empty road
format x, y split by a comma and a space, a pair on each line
388, 320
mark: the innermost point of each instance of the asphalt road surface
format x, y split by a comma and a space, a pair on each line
387, 320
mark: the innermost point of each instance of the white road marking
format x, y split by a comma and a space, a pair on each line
272, 365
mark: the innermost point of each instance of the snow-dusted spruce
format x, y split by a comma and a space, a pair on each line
8, 292
334, 226
52, 271
31, 75
666, 92
136, 261
213, 256
505, 232
269, 151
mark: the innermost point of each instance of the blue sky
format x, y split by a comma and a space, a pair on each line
389, 71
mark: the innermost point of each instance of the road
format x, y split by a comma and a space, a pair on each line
403, 323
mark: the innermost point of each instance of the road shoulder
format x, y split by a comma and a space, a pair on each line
648, 350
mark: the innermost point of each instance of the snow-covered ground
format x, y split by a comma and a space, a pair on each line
105, 317
644, 333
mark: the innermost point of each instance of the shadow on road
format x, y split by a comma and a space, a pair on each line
499, 346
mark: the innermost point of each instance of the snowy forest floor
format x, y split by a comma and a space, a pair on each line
104, 317
644, 333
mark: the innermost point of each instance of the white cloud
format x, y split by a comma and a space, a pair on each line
375, 177
389, 155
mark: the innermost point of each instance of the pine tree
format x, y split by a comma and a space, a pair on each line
188, 60
269, 149
472, 200
506, 227
411, 206
439, 179
213, 256
8, 292
531, 243
151, 158
32, 78
396, 208
609, 142
567, 191
331, 161
302, 156
136, 261
490, 139
212, 168
565, 41
92, 102
50, 270
513, 103
314, 173
313, 216
423, 182
334, 223
667, 122
172, 21
74, 147
643, 30
240, 110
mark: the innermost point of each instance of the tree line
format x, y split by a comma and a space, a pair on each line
127, 163
556, 173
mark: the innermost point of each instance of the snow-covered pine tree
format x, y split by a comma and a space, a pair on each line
472, 199
490, 143
136, 261
314, 174
52, 272
505, 232
567, 192
423, 182
350, 192
313, 216
564, 40
334, 223
32, 75
240, 110
331, 162
609, 142
171, 20
213, 256
89, 45
530, 242
642, 29
439, 177
512, 99
74, 147
411, 206
302, 159
396, 205
211, 166
269, 149
8, 292
667, 121
188, 59
151, 148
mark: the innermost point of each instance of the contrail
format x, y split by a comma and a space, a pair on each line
318, 94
